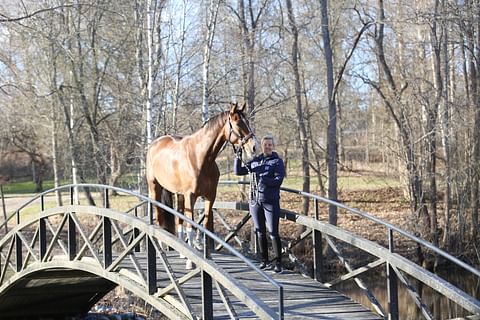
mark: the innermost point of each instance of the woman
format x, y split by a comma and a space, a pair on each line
266, 173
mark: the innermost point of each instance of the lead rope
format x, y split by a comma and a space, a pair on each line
253, 189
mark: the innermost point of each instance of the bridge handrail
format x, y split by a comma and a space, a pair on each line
146, 199
376, 220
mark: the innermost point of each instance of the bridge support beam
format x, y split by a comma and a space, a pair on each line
392, 287
317, 249
107, 242
72, 238
207, 288
151, 267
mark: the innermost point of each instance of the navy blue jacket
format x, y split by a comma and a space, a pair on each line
269, 173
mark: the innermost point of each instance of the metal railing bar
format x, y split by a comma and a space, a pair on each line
229, 229
235, 230
34, 238
173, 279
125, 252
7, 261
432, 280
392, 227
299, 239
56, 235
60, 242
355, 272
413, 293
86, 239
366, 215
94, 233
378, 307
226, 301
27, 246
128, 247
182, 280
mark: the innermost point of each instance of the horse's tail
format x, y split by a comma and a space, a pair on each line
169, 219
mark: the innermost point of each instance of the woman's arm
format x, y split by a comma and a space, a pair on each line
238, 167
278, 175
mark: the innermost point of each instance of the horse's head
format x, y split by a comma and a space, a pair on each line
240, 133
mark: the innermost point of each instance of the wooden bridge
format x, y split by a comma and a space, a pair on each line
57, 262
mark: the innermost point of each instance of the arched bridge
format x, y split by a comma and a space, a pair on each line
60, 260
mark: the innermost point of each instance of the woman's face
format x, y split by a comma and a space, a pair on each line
267, 147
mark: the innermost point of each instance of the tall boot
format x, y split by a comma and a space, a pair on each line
277, 250
263, 246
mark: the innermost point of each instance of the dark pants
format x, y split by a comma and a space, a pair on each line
266, 216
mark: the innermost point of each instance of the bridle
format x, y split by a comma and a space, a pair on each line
243, 140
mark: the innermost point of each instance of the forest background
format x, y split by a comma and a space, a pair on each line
86, 85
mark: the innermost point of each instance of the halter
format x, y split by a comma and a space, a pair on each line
243, 140
253, 196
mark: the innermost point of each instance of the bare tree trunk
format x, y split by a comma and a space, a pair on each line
432, 124
298, 105
150, 61
332, 151
178, 76
56, 178
392, 102
475, 103
249, 34
476, 135
210, 34
445, 119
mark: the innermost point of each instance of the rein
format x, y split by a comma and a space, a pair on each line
253, 194
243, 140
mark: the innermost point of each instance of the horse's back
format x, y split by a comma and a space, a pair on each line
166, 163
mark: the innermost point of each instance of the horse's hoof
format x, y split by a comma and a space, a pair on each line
198, 245
189, 265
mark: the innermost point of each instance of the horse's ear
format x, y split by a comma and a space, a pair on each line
243, 108
233, 107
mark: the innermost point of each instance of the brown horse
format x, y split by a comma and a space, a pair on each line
186, 165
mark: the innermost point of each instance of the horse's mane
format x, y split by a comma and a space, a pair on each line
217, 121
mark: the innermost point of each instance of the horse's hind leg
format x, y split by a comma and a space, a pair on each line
168, 218
179, 221
159, 194
189, 205
180, 227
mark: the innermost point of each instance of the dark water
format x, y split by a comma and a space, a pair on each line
440, 306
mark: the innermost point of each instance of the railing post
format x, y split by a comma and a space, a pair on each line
207, 290
392, 288
136, 233
151, 267
280, 303
72, 192
42, 237
107, 242
18, 253
18, 247
150, 212
72, 236
317, 249
106, 200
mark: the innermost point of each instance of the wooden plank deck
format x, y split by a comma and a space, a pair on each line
304, 298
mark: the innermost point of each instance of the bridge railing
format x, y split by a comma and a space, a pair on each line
397, 266
140, 209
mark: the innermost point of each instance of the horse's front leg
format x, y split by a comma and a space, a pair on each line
209, 225
189, 206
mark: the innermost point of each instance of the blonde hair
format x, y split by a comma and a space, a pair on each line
268, 137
